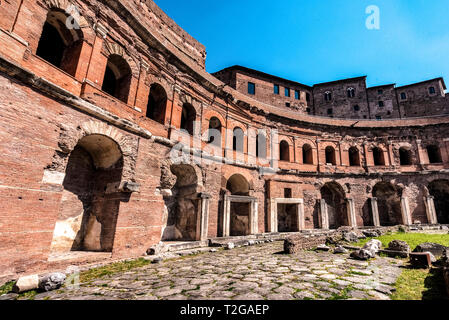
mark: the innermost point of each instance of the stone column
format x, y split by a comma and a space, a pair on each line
226, 216
350, 208
254, 228
375, 212
273, 216
405, 210
204, 218
300, 214
323, 219
430, 210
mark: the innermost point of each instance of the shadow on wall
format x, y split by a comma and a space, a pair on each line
182, 205
91, 198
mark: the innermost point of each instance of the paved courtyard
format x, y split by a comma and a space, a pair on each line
248, 273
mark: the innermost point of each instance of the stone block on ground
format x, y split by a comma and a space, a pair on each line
52, 281
340, 249
421, 259
436, 249
297, 243
26, 284
398, 245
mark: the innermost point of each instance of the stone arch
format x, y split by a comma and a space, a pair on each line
238, 139
378, 156
354, 156
111, 48
70, 137
215, 131
239, 212
91, 196
335, 198
439, 189
307, 154
330, 155
388, 203
157, 103
59, 45
237, 184
284, 151
74, 11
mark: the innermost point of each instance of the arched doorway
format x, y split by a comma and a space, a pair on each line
388, 203
117, 78
157, 103
307, 154
215, 130
59, 45
354, 157
188, 118
334, 197
405, 156
240, 211
439, 189
284, 151
183, 205
378, 157
91, 197
330, 156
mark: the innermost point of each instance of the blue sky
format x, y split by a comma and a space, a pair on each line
312, 41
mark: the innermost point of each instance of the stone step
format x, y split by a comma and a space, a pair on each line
187, 245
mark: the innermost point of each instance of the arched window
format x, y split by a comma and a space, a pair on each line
237, 143
354, 157
215, 131
434, 154
284, 151
188, 118
261, 146
157, 102
330, 156
351, 92
328, 96
307, 155
58, 45
117, 78
378, 157
405, 157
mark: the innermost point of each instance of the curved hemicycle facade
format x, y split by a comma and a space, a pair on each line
113, 137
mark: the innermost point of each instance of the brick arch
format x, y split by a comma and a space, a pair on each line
67, 6
185, 98
112, 48
69, 139
226, 176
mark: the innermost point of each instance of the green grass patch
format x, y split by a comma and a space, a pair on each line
100, 272
6, 288
420, 284
413, 239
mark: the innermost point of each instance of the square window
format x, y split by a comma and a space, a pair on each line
287, 193
330, 111
287, 104
251, 88
403, 96
276, 89
378, 118
432, 90
380, 91
356, 107
297, 94
287, 92
381, 104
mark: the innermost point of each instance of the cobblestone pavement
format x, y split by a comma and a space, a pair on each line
247, 273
